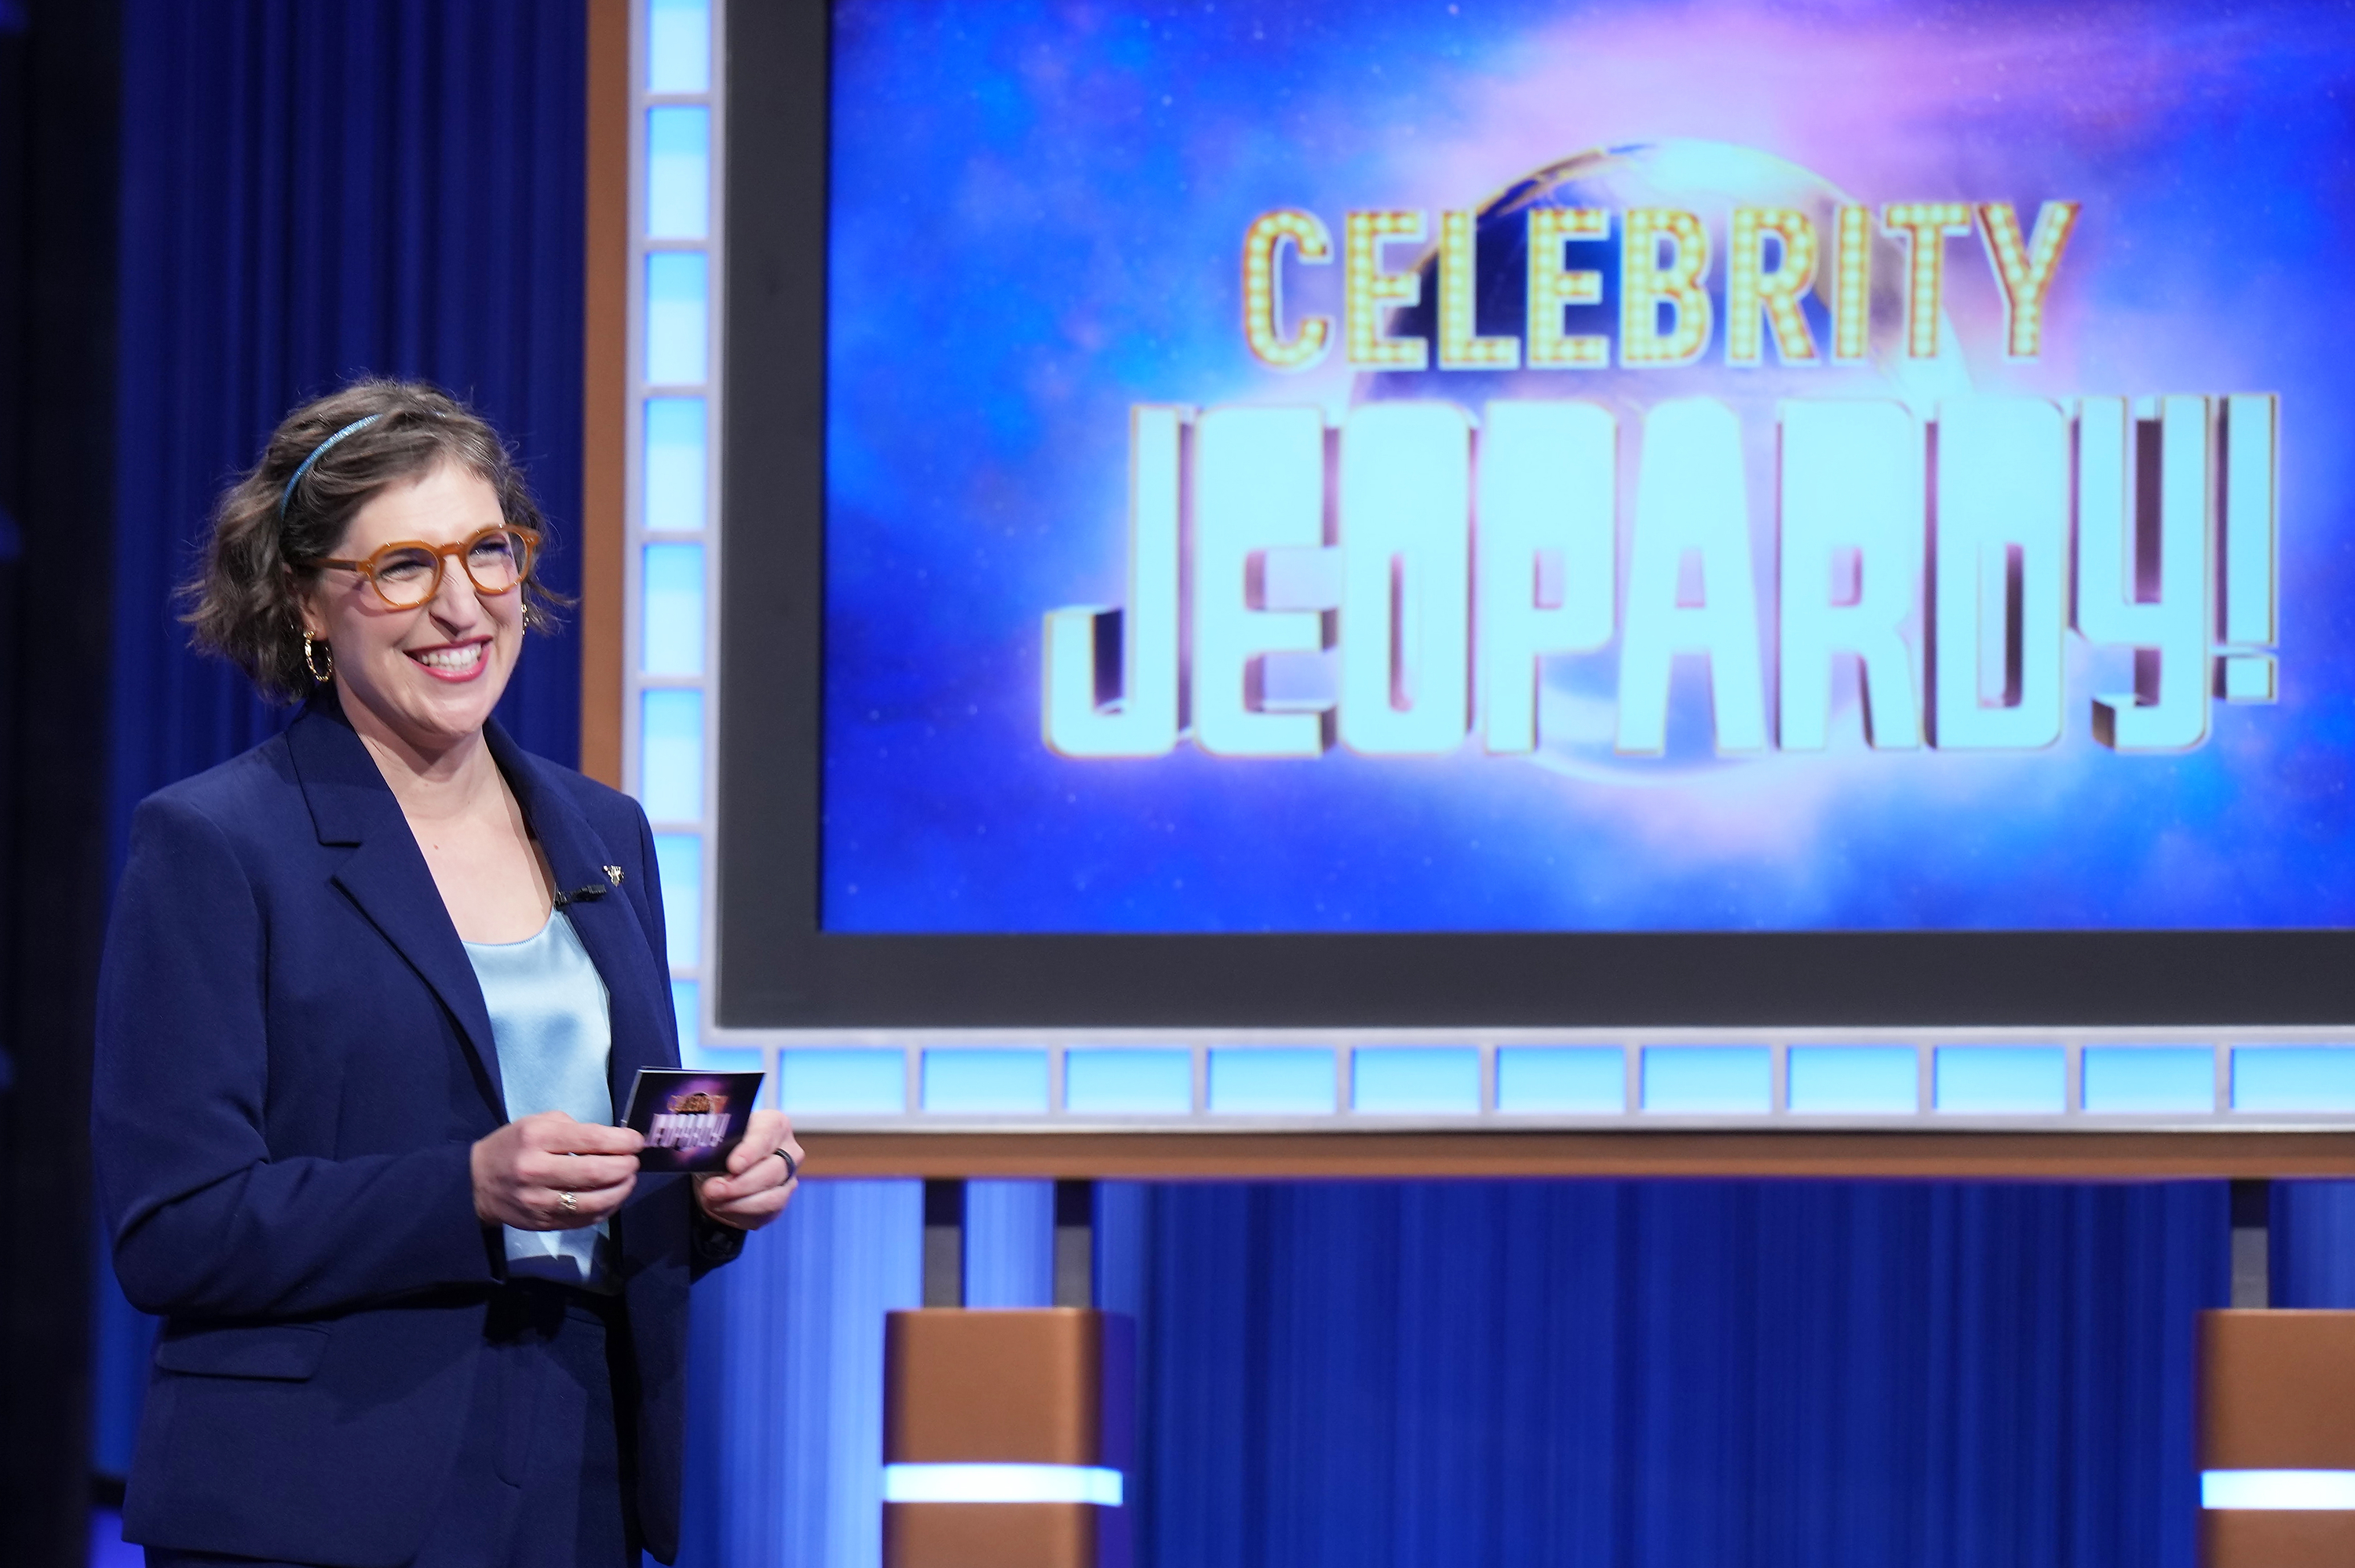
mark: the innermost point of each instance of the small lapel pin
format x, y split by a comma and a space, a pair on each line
613, 875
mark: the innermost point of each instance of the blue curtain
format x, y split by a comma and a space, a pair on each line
2314, 1245
784, 1448
1665, 1376
313, 192
1728, 1375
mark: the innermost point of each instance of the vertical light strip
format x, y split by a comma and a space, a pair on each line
671, 518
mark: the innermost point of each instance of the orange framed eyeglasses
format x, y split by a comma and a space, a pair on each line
408, 572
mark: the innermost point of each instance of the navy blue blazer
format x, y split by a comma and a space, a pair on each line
294, 1062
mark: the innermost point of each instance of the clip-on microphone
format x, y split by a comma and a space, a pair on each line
592, 890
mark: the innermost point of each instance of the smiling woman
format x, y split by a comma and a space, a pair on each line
358, 1057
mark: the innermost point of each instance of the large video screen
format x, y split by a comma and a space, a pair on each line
1336, 466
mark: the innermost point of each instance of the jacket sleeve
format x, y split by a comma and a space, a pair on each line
711, 1243
206, 1222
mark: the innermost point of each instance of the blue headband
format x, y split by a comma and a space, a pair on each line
317, 453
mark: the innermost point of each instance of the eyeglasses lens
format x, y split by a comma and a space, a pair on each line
495, 562
405, 577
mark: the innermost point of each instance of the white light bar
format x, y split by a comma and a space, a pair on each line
1002, 1484
2277, 1488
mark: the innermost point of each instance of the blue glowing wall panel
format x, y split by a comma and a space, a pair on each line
1697, 1080
678, 172
670, 754
2294, 1079
1415, 1080
677, 481
1563, 1080
2000, 1080
678, 307
1271, 1081
2150, 1079
842, 1083
1853, 1080
1128, 1082
986, 1082
1050, 205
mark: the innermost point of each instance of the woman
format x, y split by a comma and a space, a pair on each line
372, 994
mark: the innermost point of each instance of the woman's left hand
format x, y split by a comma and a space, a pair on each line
758, 1184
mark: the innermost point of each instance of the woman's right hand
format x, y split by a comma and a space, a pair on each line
523, 1170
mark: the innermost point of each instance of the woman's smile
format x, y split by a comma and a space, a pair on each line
455, 661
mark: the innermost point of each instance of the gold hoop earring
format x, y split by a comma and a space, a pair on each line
323, 677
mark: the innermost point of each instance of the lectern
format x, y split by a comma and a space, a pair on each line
2277, 1440
1007, 1438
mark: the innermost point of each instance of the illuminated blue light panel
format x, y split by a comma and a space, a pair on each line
1852, 1080
1002, 1484
1415, 1080
2001, 1080
670, 754
2128, 1079
679, 46
2272, 1489
677, 313
842, 1083
678, 172
2294, 1079
1563, 1080
1128, 1083
692, 1051
686, 1004
671, 622
679, 858
986, 1083
1275, 1081
675, 473
1708, 1079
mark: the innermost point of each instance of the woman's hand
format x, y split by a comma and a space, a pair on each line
549, 1173
757, 1185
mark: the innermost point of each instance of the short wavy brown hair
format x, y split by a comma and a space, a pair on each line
246, 603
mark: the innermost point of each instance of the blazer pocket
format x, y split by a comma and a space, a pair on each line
287, 1351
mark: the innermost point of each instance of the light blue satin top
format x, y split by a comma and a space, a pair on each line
550, 1027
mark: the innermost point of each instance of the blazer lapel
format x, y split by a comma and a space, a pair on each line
637, 986
387, 876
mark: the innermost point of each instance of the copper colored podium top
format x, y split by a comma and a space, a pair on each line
2277, 1391
1005, 1388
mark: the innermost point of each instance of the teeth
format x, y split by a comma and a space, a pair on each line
464, 658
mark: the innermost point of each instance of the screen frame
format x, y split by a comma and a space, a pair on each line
777, 970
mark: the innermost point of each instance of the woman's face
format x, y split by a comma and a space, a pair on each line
427, 676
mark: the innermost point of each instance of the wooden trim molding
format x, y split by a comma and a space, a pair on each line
1949, 1156
605, 225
